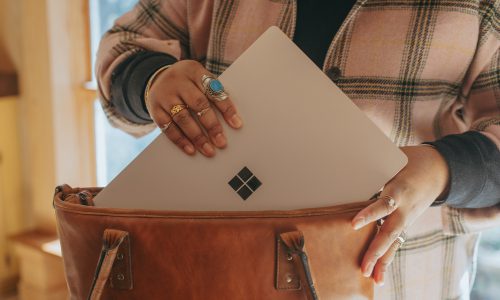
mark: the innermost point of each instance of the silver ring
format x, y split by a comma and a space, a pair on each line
401, 238
213, 88
202, 112
390, 203
166, 126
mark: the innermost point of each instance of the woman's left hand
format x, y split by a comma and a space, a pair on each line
413, 189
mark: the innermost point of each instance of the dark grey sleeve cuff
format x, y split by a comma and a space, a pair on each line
129, 81
474, 165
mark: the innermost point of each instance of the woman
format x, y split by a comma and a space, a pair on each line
422, 70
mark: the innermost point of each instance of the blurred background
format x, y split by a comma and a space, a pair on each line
53, 131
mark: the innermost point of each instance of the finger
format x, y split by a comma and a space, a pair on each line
228, 110
226, 107
384, 206
190, 127
161, 118
384, 262
199, 103
390, 230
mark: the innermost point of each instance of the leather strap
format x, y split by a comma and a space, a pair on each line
115, 244
287, 278
294, 243
115, 254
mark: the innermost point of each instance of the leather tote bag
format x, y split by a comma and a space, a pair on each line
302, 254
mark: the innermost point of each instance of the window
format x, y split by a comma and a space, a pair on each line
114, 148
488, 268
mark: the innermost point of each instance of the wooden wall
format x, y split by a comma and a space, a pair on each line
11, 199
9, 46
48, 129
11, 205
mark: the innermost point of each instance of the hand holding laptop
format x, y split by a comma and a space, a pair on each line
176, 90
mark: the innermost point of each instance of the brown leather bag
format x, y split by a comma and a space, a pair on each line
137, 254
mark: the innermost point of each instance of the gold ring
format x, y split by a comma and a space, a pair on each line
177, 109
202, 112
166, 126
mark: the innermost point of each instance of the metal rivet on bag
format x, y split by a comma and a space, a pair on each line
120, 277
289, 256
289, 278
119, 256
83, 198
58, 189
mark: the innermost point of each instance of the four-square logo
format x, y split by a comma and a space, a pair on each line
245, 183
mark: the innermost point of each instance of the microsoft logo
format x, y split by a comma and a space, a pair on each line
245, 183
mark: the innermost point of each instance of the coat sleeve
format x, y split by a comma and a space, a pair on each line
482, 105
158, 26
481, 113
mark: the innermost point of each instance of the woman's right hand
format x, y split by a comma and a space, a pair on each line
181, 84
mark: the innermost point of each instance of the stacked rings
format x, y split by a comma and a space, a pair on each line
400, 240
213, 88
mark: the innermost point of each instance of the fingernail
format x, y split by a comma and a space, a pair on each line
368, 269
359, 222
189, 149
379, 279
208, 149
235, 121
220, 140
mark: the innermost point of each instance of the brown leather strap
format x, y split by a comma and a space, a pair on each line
294, 243
112, 242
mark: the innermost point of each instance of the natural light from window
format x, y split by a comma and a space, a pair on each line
115, 149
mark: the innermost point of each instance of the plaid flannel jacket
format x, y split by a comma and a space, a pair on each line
420, 69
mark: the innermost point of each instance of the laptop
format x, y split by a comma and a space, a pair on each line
304, 144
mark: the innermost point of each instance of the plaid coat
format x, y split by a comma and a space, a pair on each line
420, 69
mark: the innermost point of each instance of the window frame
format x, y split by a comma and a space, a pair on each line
86, 92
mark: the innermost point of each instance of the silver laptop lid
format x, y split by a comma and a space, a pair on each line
304, 144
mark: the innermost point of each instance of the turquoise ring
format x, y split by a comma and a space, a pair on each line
213, 88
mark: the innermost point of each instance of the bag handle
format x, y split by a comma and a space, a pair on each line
296, 256
115, 254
